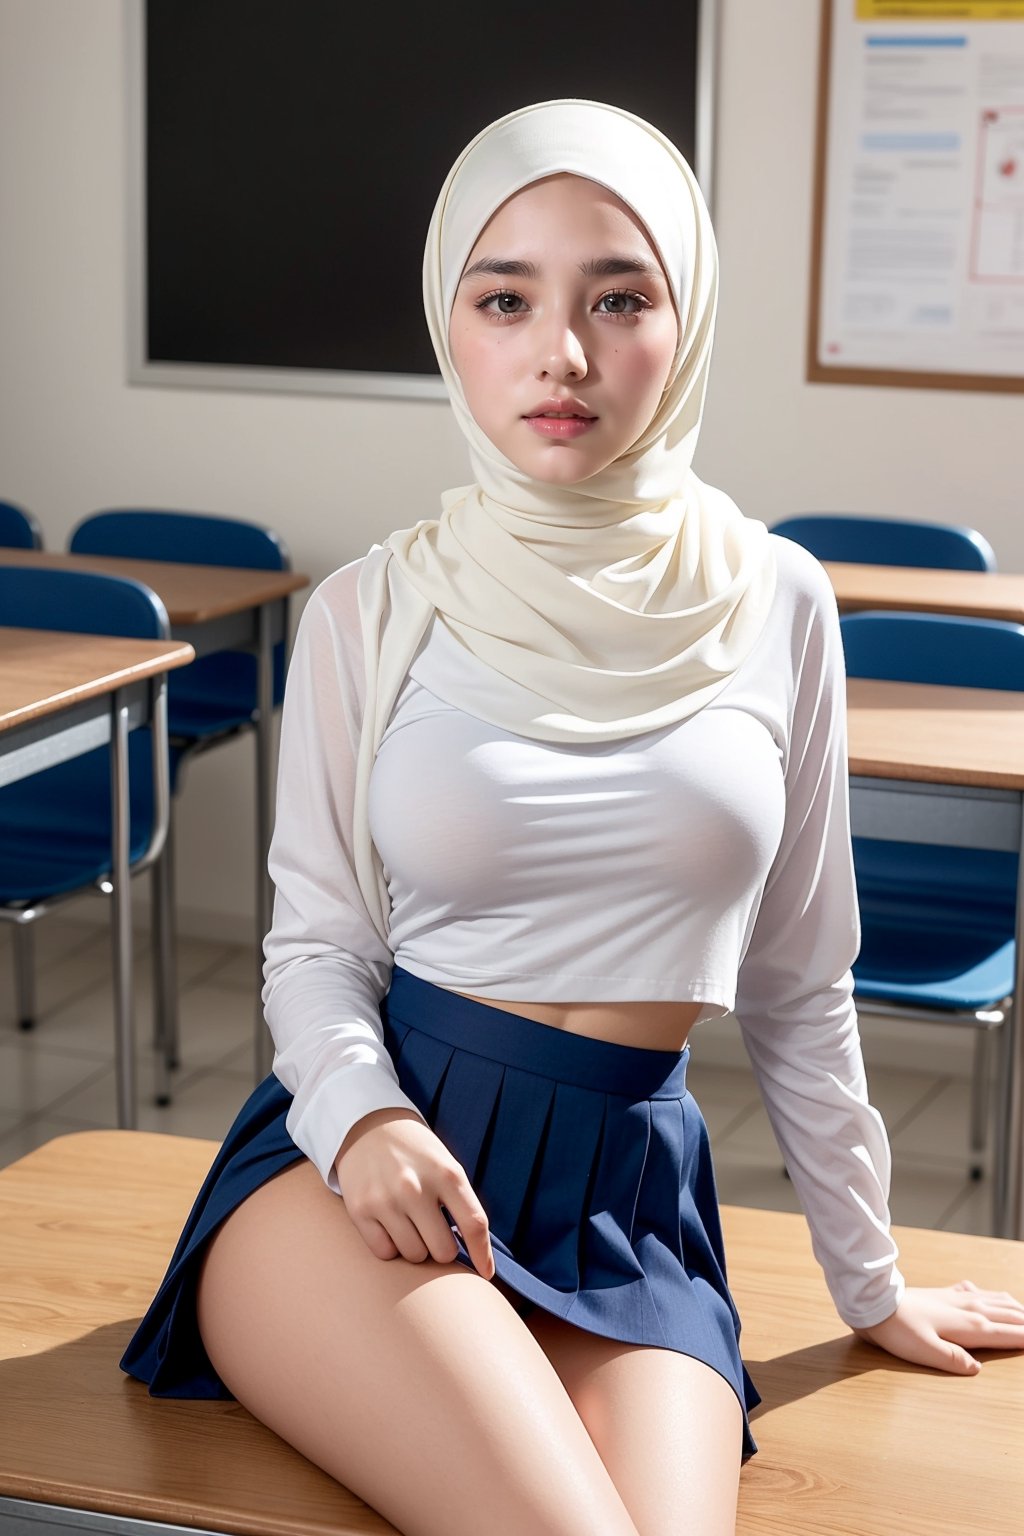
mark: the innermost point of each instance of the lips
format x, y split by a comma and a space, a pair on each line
567, 410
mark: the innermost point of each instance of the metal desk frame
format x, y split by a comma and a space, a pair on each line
69, 732
256, 630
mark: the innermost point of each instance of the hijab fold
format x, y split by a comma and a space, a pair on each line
601, 610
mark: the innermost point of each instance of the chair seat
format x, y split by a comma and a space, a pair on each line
55, 825
957, 968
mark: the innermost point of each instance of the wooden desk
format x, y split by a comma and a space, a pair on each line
946, 765
912, 589
213, 608
850, 1439
63, 694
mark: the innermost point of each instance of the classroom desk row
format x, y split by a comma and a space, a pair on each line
46, 679
929, 764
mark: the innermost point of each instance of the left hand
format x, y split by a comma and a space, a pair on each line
938, 1326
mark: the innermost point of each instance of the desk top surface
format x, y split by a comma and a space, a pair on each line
978, 594
936, 735
850, 1439
192, 594
44, 671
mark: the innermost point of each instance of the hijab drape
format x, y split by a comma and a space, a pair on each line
605, 609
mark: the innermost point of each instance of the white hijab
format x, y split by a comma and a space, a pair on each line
678, 583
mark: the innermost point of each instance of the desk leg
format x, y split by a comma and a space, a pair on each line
1010, 1157
121, 916
264, 816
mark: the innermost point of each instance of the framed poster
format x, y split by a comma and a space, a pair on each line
284, 161
917, 263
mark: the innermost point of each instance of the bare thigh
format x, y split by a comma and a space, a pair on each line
415, 1385
667, 1427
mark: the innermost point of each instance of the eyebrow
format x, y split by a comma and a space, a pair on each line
595, 266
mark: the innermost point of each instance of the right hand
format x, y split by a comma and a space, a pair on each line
395, 1174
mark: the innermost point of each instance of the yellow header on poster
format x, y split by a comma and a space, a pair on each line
940, 10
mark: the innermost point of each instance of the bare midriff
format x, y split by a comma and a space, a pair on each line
650, 1026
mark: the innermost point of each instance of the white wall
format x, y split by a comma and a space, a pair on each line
75, 437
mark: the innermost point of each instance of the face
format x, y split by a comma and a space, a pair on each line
563, 329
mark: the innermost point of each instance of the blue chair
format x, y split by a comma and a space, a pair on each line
938, 922
861, 539
55, 825
214, 698
870, 540
18, 528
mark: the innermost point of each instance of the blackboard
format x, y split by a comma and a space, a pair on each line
291, 155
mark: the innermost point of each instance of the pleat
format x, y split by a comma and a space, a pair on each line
604, 1247
421, 1065
466, 1107
506, 1170
395, 1032
560, 1190
701, 1184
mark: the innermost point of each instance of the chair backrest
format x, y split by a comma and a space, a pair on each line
18, 528
192, 537
80, 601
858, 538
934, 648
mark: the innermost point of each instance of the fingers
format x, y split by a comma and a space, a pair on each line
375, 1235
988, 1307
996, 1313
428, 1236
424, 1232
471, 1220
976, 1331
408, 1196
1003, 1298
959, 1362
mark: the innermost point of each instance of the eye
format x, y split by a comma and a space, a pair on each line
623, 303
502, 303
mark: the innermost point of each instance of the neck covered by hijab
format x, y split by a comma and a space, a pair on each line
605, 609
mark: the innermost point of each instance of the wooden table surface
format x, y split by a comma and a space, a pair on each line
43, 670
192, 594
851, 1440
935, 734
913, 589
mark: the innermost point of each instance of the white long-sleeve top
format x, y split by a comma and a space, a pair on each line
709, 861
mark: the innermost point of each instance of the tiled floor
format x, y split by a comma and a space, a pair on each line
60, 1077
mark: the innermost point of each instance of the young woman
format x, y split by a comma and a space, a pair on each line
563, 770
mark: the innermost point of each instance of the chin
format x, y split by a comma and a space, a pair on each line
562, 467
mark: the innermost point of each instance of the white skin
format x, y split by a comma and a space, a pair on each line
605, 340
585, 1435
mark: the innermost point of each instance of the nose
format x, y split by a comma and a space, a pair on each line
561, 353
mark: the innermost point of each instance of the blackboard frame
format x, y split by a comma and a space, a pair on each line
141, 369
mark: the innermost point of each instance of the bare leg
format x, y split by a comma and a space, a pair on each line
668, 1428
349, 1358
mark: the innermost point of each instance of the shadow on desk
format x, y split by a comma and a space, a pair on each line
76, 1431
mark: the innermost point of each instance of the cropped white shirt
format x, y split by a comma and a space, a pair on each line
706, 862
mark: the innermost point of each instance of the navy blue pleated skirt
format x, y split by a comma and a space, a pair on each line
590, 1159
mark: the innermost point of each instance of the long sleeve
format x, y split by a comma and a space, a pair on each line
795, 990
326, 968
